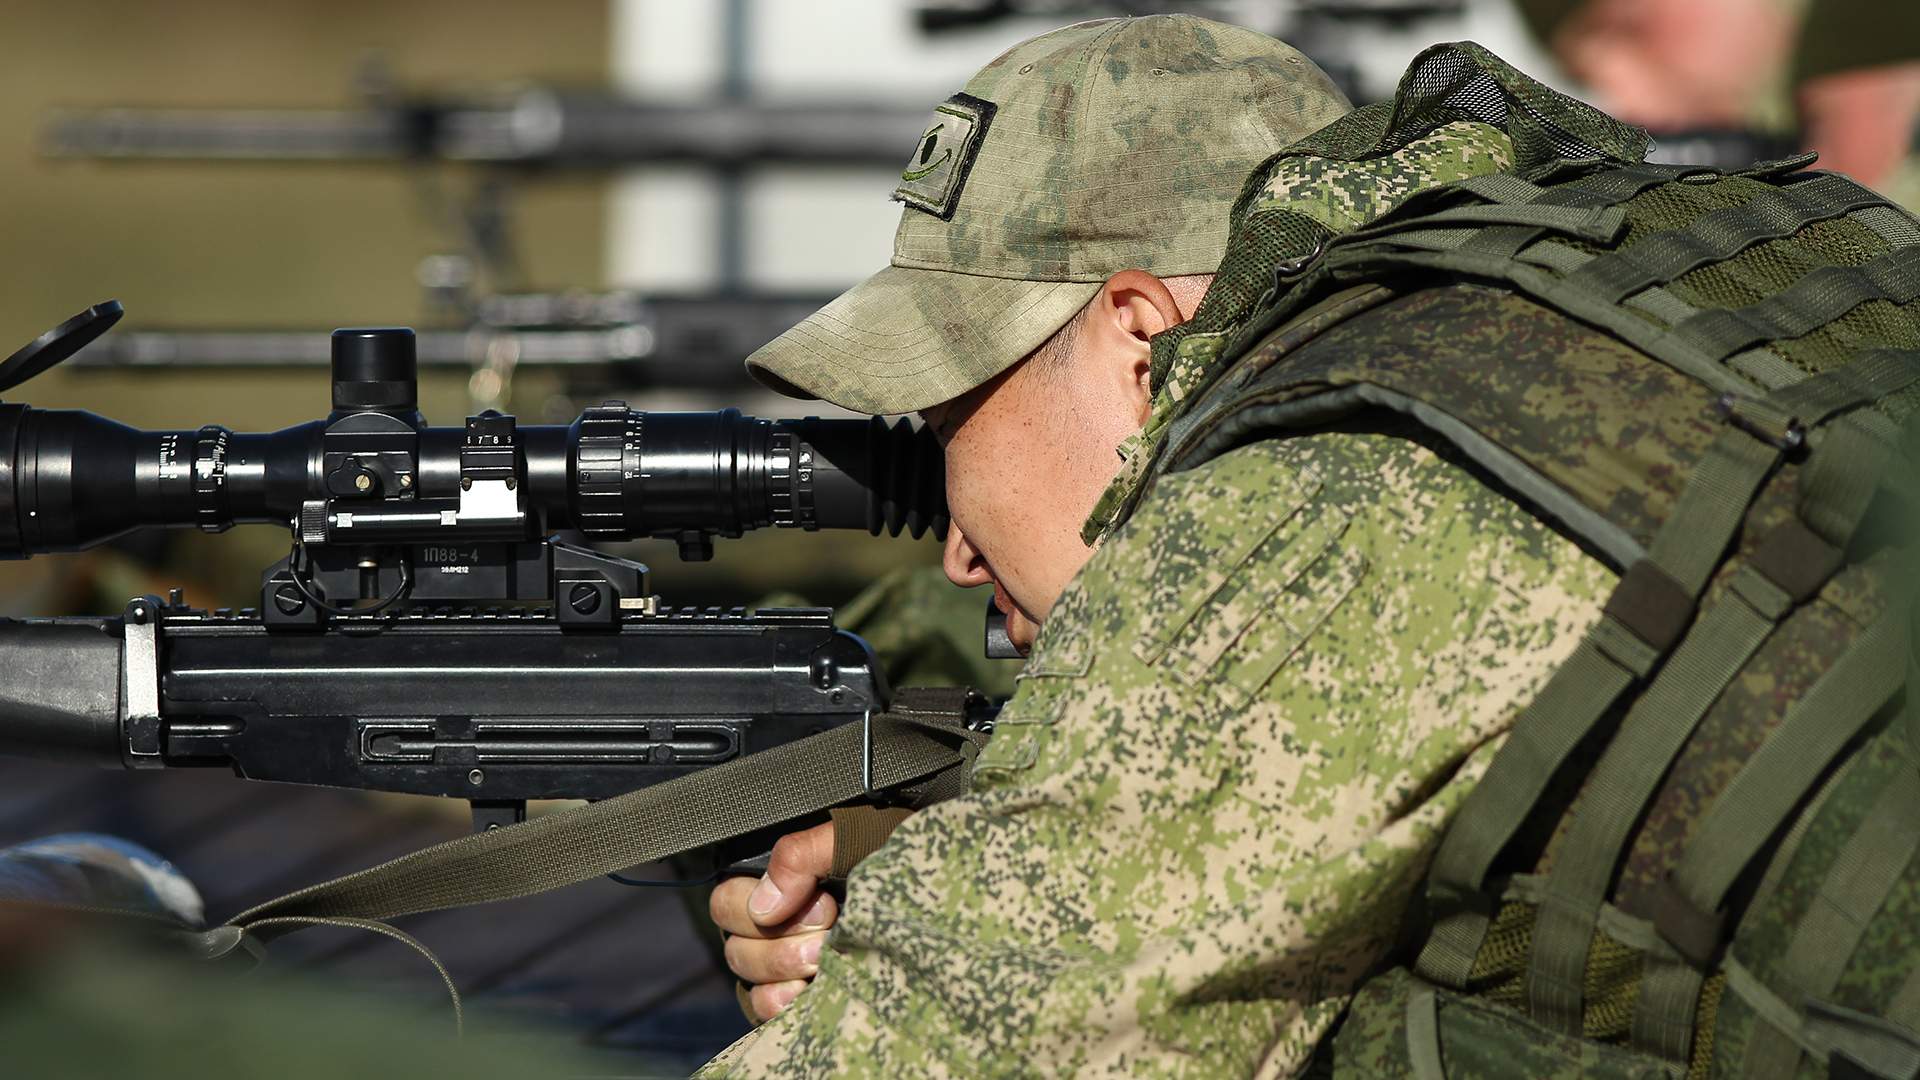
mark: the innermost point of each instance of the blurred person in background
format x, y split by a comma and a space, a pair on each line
1846, 73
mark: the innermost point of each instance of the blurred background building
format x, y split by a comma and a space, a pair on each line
592, 199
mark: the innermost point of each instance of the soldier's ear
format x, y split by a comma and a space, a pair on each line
1131, 307
1138, 304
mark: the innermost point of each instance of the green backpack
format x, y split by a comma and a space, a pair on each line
1696, 853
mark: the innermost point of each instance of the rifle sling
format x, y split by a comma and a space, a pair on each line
917, 741
917, 753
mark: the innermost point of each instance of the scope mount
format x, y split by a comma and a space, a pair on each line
372, 535
539, 579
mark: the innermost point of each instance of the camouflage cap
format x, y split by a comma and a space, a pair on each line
1100, 147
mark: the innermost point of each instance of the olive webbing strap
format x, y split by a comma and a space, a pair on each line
1502, 187
1722, 234
749, 793
1849, 464
1523, 211
1789, 566
1609, 188
1644, 617
1844, 492
1783, 857
1545, 733
1598, 224
296, 922
1897, 227
1423, 1033
1839, 485
1664, 1011
1852, 1045
1746, 816
1661, 720
1818, 298
1604, 187
1564, 259
1779, 775
1871, 374
1870, 865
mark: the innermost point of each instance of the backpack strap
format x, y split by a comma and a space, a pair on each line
1789, 567
1643, 620
1744, 819
1904, 1007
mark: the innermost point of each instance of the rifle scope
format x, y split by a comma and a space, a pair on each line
373, 472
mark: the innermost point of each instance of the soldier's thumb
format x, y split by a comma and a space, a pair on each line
793, 875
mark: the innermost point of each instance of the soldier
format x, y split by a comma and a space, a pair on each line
1848, 71
1502, 488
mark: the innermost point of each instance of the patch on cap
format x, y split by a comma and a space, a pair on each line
938, 168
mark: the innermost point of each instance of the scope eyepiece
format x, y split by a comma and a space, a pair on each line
689, 476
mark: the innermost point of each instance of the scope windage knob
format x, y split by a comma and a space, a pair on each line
600, 451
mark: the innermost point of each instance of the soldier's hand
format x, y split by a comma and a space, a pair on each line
777, 924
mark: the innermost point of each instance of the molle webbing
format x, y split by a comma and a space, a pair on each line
1713, 342
1810, 303
1763, 795
1770, 786
1720, 235
1731, 631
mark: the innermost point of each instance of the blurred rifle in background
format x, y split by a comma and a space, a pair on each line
474, 290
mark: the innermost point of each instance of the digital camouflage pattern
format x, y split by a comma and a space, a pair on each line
1201, 815
1344, 195
1109, 145
1477, 1040
1585, 410
1878, 791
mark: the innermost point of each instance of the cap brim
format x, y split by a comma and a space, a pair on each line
908, 338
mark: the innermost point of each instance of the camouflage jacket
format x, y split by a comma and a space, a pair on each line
1202, 813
